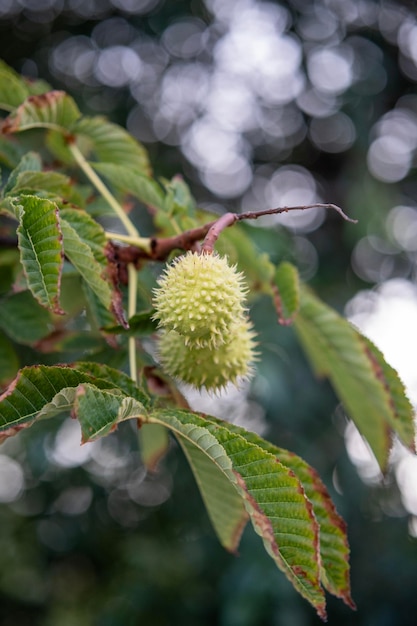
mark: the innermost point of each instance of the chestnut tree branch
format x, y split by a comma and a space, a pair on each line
228, 219
161, 247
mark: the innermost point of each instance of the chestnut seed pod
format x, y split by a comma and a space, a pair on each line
205, 366
200, 296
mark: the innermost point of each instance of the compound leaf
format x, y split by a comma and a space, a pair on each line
32, 390
44, 391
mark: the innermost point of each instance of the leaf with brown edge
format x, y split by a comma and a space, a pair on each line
33, 389
401, 415
114, 378
14, 89
45, 391
54, 110
41, 252
271, 493
371, 393
334, 547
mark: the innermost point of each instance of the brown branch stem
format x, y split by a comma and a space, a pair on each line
230, 218
161, 247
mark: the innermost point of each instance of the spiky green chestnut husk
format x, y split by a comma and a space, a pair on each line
206, 366
200, 296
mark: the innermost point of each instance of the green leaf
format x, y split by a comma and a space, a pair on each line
44, 391
224, 462
179, 199
85, 245
72, 296
178, 211
54, 110
119, 380
82, 257
36, 86
90, 232
23, 319
92, 239
401, 416
30, 162
13, 90
9, 267
272, 496
56, 143
51, 183
286, 292
40, 243
372, 393
100, 317
110, 143
334, 548
133, 182
100, 411
223, 502
92, 236
154, 444
9, 362
34, 389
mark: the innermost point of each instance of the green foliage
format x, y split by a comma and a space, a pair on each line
369, 388
287, 296
70, 288
41, 254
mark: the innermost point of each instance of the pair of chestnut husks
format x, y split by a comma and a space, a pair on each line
207, 339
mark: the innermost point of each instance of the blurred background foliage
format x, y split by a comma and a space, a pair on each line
257, 104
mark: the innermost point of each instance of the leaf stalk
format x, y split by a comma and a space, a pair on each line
102, 189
